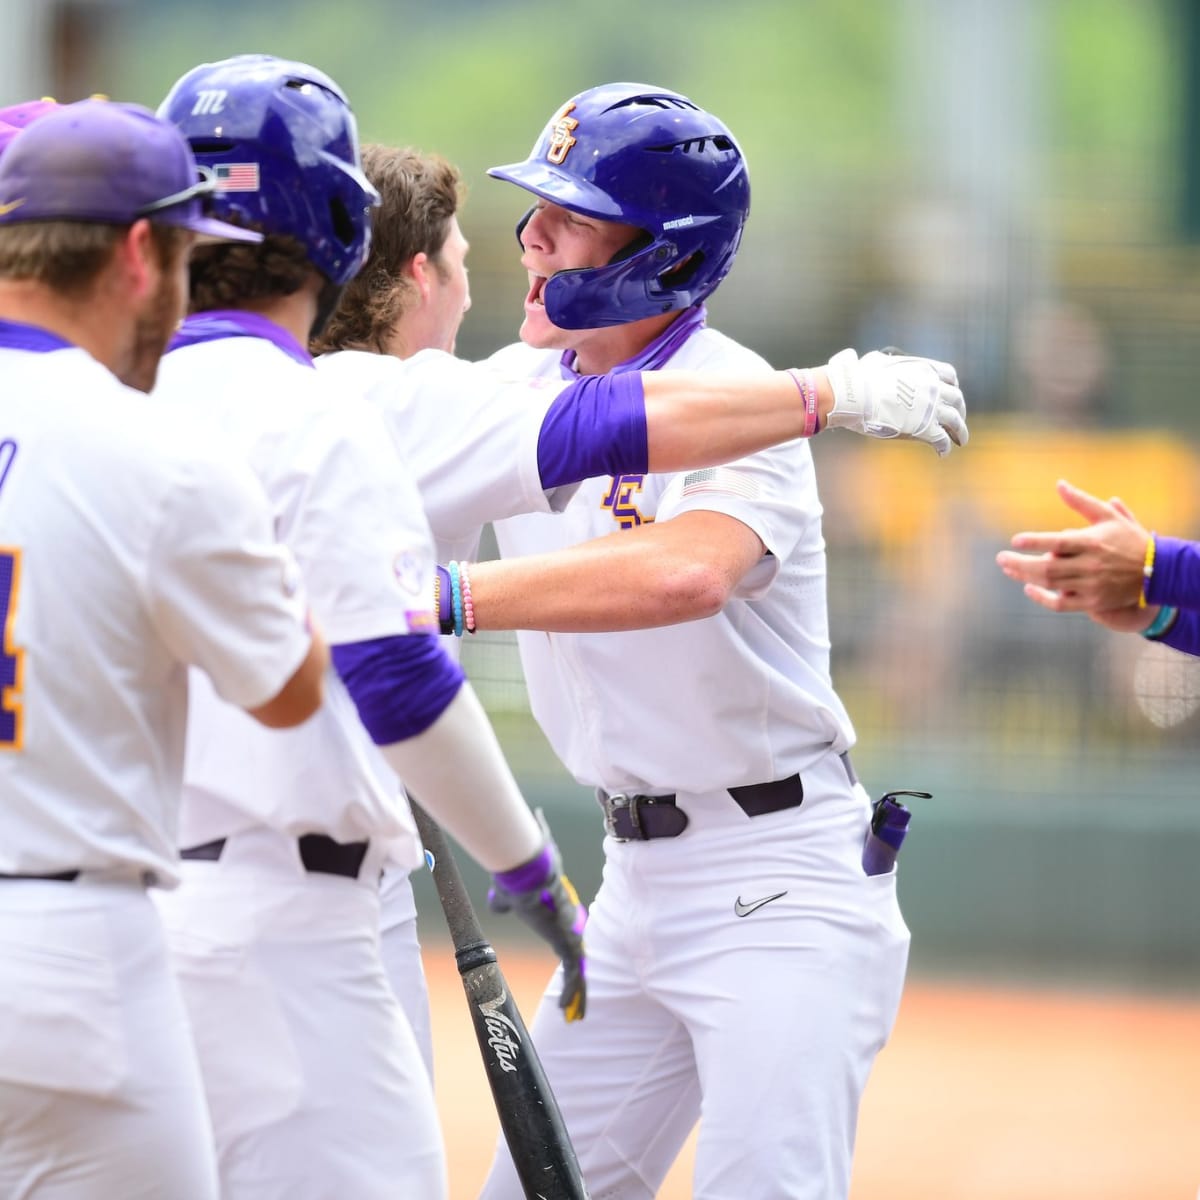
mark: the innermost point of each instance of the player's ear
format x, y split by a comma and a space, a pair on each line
136, 259
419, 268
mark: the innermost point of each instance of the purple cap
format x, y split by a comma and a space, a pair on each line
15, 117
19, 115
108, 163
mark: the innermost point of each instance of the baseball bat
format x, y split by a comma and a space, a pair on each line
529, 1115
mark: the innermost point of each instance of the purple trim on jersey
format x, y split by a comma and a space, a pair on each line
16, 335
529, 876
653, 356
1176, 578
1185, 633
233, 322
597, 426
400, 685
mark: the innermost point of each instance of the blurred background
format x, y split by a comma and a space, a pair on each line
1013, 185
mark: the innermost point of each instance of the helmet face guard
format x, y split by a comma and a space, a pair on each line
281, 143
647, 157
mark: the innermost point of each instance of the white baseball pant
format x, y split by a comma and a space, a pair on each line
763, 1027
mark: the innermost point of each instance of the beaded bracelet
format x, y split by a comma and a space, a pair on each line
1147, 571
456, 598
464, 579
1162, 623
807, 386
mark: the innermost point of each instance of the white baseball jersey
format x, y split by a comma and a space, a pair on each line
344, 504
470, 437
741, 697
128, 548
745, 947
469, 433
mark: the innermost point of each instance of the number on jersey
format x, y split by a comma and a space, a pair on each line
11, 658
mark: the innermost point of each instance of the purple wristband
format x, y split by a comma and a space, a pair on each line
529, 876
445, 600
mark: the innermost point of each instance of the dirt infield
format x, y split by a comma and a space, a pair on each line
982, 1094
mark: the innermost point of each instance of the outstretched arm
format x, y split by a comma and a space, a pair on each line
666, 421
717, 418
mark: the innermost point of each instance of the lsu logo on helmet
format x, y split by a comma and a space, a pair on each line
561, 140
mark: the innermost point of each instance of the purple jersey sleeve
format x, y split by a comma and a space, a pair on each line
1184, 634
400, 685
1176, 578
595, 427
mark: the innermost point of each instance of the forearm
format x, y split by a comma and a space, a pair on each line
681, 569
664, 421
699, 420
667, 421
605, 585
458, 773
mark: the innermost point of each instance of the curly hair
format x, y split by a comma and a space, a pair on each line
231, 274
421, 193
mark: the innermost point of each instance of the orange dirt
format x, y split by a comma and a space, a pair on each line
982, 1094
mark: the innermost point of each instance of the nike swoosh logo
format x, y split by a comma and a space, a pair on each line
744, 910
5, 209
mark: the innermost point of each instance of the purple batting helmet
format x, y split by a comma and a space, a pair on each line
282, 144
648, 157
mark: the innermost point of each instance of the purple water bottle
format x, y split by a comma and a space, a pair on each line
886, 833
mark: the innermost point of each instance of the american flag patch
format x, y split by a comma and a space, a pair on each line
236, 177
721, 480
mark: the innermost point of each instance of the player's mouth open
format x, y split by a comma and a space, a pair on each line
536, 284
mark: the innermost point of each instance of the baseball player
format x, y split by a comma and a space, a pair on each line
129, 549
315, 1083
489, 453
742, 964
1115, 570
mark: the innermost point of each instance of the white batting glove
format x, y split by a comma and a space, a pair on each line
887, 395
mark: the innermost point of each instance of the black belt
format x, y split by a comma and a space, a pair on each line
56, 876
319, 854
637, 818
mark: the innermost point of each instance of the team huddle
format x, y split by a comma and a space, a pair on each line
243, 481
